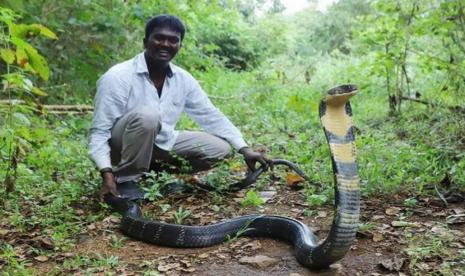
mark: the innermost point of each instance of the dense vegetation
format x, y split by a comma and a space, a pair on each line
267, 72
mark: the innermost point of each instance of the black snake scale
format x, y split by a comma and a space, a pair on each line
336, 118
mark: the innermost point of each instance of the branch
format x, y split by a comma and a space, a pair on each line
453, 108
54, 109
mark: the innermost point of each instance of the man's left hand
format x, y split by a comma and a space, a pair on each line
251, 157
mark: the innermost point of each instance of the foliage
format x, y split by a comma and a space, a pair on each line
252, 199
180, 215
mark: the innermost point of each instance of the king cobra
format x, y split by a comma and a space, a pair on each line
336, 119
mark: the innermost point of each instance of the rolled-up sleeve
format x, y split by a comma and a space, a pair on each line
109, 104
211, 119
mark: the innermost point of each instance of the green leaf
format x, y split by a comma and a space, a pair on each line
22, 30
21, 57
45, 31
38, 92
39, 63
7, 55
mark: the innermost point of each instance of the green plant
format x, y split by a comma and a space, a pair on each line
116, 242
366, 227
252, 199
180, 215
240, 232
410, 202
164, 207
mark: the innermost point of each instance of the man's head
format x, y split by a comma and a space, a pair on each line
163, 37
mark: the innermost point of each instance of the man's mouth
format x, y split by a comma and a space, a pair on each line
164, 52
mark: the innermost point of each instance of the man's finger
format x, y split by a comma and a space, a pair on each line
102, 194
115, 192
251, 165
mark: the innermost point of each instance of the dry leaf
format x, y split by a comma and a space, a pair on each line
394, 264
398, 223
377, 237
203, 256
41, 258
165, 267
392, 211
293, 180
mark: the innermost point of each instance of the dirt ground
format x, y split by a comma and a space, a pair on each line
424, 238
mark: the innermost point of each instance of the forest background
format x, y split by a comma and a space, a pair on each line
265, 70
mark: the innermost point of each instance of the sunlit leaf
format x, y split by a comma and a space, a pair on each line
45, 31
21, 57
23, 30
293, 179
7, 55
39, 63
38, 92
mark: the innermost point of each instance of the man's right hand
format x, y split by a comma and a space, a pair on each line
108, 186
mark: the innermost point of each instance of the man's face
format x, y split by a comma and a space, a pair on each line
162, 44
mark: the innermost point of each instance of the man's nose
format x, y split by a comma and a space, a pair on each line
164, 42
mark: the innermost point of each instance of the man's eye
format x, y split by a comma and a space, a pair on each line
170, 39
173, 40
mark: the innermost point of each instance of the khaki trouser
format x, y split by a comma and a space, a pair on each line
133, 151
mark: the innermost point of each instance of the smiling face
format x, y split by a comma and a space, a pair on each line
162, 45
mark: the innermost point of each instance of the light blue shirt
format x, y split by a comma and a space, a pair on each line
127, 85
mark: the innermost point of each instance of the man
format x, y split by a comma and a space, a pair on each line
138, 104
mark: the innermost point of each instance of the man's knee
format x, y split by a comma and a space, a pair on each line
221, 150
145, 118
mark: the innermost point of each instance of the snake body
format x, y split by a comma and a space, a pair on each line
336, 118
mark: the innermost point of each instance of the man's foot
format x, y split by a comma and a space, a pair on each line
129, 190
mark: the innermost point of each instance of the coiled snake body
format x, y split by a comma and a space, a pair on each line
336, 118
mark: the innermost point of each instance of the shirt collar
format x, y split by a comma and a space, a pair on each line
141, 66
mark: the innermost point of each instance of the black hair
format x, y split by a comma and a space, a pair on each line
165, 20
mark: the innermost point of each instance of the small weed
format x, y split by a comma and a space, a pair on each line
366, 227
316, 200
410, 202
180, 215
164, 207
252, 199
240, 232
116, 242
152, 192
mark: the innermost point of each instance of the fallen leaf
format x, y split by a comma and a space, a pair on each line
456, 219
267, 195
44, 242
423, 266
393, 264
165, 267
41, 258
254, 245
203, 256
392, 211
189, 270
322, 214
293, 180
377, 237
398, 223
259, 261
